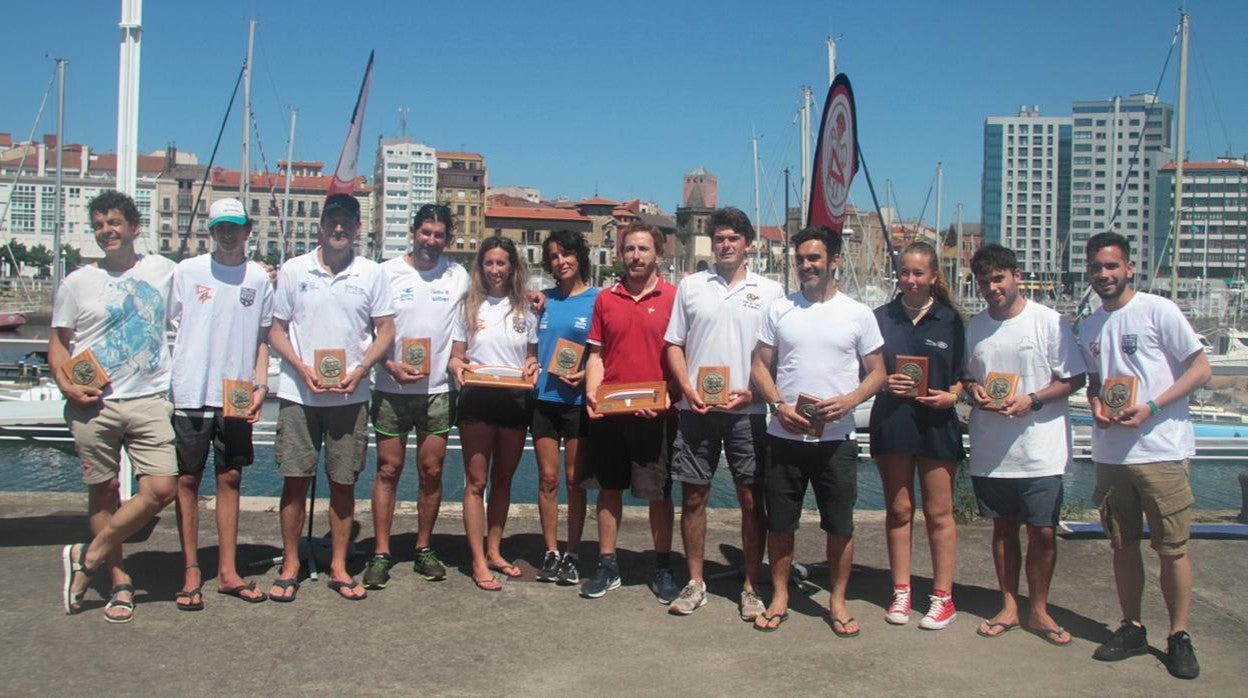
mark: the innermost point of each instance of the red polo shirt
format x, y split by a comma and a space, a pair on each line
629, 333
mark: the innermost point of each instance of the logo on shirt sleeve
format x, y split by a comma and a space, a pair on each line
1129, 343
247, 297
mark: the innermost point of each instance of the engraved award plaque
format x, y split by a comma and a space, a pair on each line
497, 377
914, 368
567, 358
627, 398
806, 407
84, 369
330, 366
1118, 394
713, 385
416, 353
235, 398
1000, 388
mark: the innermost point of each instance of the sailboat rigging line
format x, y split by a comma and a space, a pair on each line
264, 161
21, 166
918, 224
1217, 110
888, 234
1139, 141
182, 246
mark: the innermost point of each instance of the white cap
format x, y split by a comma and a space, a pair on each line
227, 211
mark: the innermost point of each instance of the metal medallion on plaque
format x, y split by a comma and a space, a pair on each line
914, 368
566, 359
713, 385
1118, 394
85, 370
331, 366
808, 407
415, 353
235, 398
1000, 388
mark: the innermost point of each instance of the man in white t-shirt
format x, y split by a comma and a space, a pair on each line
714, 323
222, 306
333, 300
114, 309
812, 347
1142, 453
1020, 434
428, 292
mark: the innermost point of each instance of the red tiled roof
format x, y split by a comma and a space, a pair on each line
6, 139
774, 233
508, 200
460, 156
229, 179
534, 213
1169, 167
597, 201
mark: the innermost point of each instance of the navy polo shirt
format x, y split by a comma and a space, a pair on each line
901, 425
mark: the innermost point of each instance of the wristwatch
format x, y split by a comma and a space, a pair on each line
775, 406
1035, 402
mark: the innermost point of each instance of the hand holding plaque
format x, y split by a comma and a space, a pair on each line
415, 353
1118, 394
330, 366
84, 370
914, 368
713, 385
236, 398
1000, 388
567, 358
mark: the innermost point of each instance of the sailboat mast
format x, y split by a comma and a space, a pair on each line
831, 60
1178, 162
757, 220
940, 175
57, 272
805, 171
244, 170
290, 154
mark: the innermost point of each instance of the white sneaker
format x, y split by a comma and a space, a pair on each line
898, 612
691, 598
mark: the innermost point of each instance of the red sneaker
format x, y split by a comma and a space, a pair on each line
940, 614
899, 610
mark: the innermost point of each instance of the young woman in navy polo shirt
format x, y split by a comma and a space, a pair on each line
920, 434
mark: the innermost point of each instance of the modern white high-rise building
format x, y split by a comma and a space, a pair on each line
1118, 145
405, 177
1026, 190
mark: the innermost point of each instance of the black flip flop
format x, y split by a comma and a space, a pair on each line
767, 619
285, 583
237, 592
1005, 628
339, 586
844, 623
188, 595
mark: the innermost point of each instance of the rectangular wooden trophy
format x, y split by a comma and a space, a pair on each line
330, 366
1000, 388
498, 377
806, 407
84, 369
415, 352
915, 368
567, 358
713, 385
235, 398
1118, 394
627, 398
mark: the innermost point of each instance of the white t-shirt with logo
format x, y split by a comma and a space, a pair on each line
717, 326
1036, 345
220, 313
426, 304
1150, 339
502, 337
328, 311
819, 349
120, 317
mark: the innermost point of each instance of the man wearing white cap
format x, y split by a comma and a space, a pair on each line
222, 306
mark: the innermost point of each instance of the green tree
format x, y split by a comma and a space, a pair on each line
14, 256
40, 257
71, 258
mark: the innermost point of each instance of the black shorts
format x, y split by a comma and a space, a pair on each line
831, 468
558, 420
695, 454
631, 452
195, 431
506, 408
1036, 501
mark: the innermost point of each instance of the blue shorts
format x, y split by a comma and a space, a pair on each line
1036, 501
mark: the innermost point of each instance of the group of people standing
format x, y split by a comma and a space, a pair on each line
728, 348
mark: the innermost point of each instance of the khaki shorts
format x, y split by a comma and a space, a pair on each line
302, 430
1160, 492
395, 414
140, 424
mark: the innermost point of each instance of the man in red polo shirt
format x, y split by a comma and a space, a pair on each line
631, 450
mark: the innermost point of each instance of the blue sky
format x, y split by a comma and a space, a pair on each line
623, 98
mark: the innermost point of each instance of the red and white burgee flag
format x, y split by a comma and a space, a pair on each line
344, 174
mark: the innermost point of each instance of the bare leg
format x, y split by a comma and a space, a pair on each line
1176, 587
390, 455
1007, 557
547, 451
780, 554
187, 508
1041, 560
293, 509
753, 532
575, 453
508, 446
662, 520
155, 493
897, 477
840, 562
936, 479
228, 483
1129, 578
430, 455
610, 512
693, 525
477, 441
341, 516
